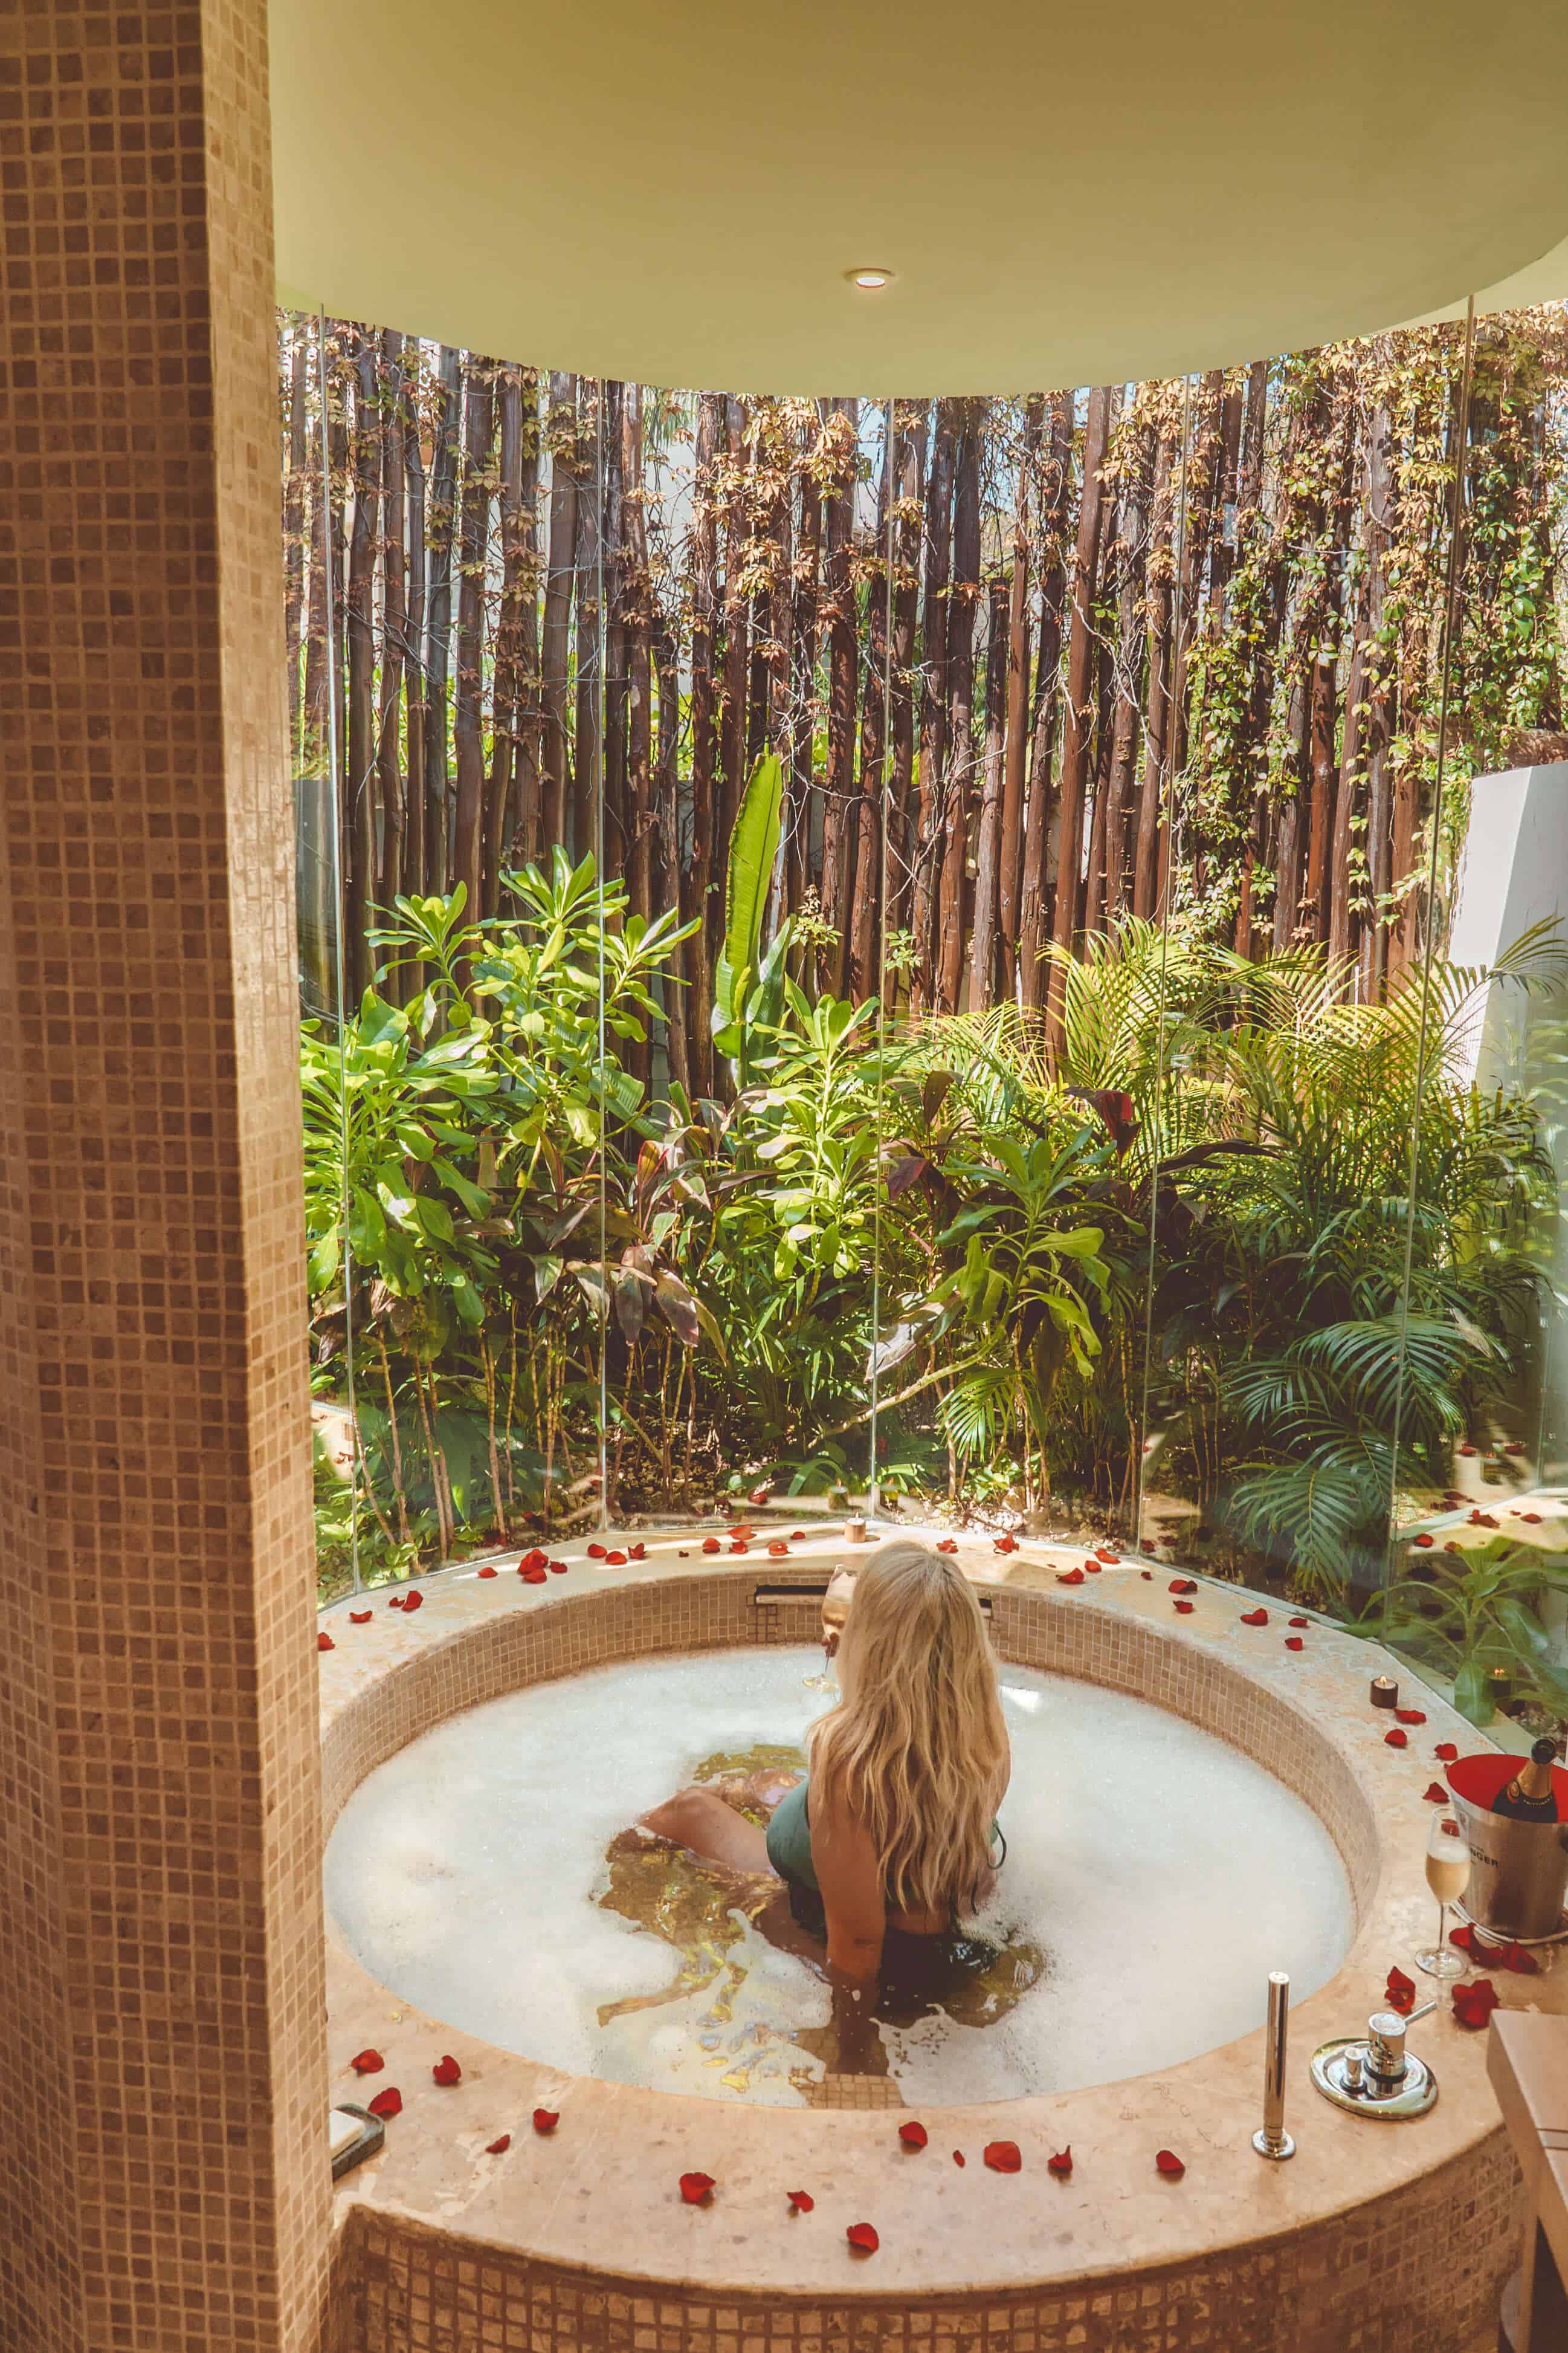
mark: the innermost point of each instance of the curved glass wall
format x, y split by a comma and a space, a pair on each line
999, 953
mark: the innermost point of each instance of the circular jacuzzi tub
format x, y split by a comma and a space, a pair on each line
1288, 1833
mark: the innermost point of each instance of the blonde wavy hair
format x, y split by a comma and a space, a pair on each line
917, 1750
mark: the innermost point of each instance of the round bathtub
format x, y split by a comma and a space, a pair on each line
485, 2232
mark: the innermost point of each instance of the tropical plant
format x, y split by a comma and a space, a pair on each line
1467, 1613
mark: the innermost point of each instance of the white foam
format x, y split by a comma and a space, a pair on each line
1164, 1873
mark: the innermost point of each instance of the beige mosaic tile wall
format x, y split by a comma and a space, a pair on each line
163, 2184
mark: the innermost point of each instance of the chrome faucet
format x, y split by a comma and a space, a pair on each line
1380, 2077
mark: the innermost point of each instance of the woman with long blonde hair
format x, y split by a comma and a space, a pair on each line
890, 1838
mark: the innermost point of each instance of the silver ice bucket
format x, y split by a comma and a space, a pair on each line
1518, 1871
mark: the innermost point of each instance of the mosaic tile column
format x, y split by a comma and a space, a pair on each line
162, 2174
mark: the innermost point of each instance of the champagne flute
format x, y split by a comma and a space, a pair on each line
1448, 1875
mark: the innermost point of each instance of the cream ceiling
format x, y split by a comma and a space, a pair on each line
1068, 194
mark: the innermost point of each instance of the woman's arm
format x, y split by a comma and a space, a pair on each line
849, 1873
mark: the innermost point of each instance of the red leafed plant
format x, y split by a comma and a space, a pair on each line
363, 1617
499, 2148
546, 2119
1400, 1992
912, 2135
801, 2200
1061, 2164
325, 1643
1170, 2164
1254, 1616
696, 2188
1409, 1716
1003, 2156
862, 2238
1474, 2003
367, 2062
447, 2070
389, 2102
1397, 1740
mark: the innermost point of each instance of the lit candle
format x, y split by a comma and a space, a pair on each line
855, 1532
1385, 1692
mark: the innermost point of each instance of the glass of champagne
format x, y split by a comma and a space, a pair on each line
1448, 1875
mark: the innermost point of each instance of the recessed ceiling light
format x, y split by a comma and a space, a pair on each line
867, 278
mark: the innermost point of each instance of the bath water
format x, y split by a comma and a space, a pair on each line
1154, 1875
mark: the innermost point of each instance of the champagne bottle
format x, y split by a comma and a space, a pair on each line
1529, 1797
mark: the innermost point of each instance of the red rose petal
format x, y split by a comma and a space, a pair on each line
447, 2070
862, 2238
801, 2199
536, 1575
711, 1544
1184, 1609
533, 1559
946, 1543
797, 1536
737, 1547
499, 2148
325, 1643
559, 1568
1434, 1794
913, 2135
1003, 2156
1474, 2004
1395, 1740
595, 1551
1409, 1716
1170, 2164
389, 2102
683, 1554
1005, 1544
367, 2062
637, 1552
489, 1572
1464, 1450
413, 1601
1400, 1992
958, 2157
1294, 1642
778, 1549
1147, 1575
1533, 1517
696, 2187
1424, 1541
1183, 1585
1300, 1622
1109, 1558
1513, 1447
546, 2119
612, 1560
740, 1531
396, 1602
361, 1617
1069, 1577
761, 1495
1091, 1568
1061, 2164
1254, 1616
1447, 1751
